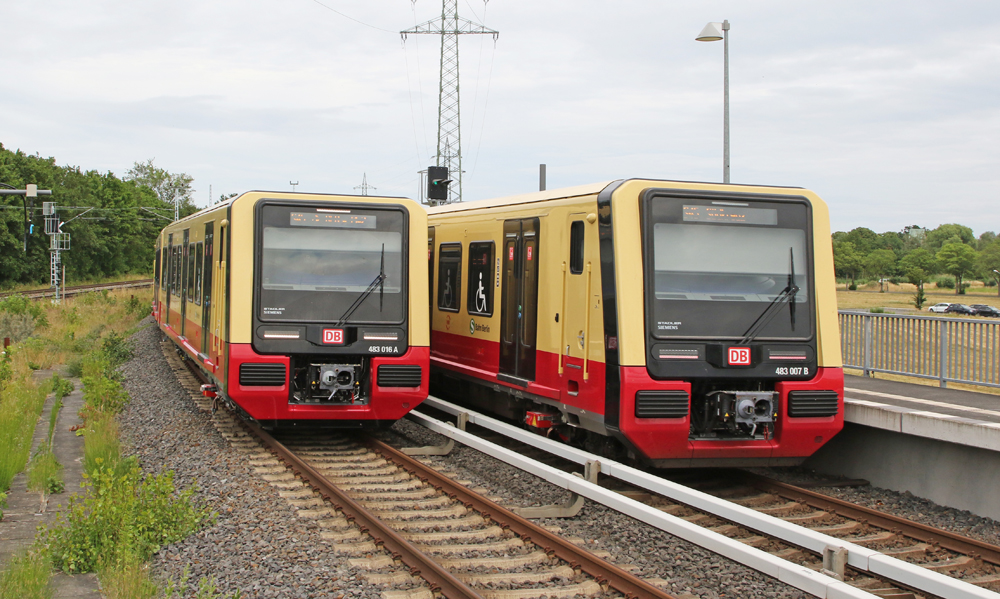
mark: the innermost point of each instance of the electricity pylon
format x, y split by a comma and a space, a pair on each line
449, 141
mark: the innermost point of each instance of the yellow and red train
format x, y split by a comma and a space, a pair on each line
301, 308
679, 324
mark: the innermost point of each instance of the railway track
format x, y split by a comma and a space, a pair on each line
78, 289
973, 564
413, 527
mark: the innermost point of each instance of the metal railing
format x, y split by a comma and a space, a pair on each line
955, 350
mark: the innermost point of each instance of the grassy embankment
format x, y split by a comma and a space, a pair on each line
123, 516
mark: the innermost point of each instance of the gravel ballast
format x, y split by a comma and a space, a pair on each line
258, 545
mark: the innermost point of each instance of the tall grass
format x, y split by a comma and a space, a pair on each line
21, 402
26, 576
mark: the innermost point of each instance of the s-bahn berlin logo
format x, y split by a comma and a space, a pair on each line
333, 336
739, 356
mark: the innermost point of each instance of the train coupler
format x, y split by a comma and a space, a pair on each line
541, 419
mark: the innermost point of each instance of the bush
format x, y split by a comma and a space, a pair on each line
117, 349
60, 386
122, 517
853, 286
103, 394
895, 280
18, 304
946, 283
876, 310
16, 327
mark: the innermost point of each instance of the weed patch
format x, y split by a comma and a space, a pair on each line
122, 516
45, 472
21, 403
27, 576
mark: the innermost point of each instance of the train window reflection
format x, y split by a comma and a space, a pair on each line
318, 260
720, 263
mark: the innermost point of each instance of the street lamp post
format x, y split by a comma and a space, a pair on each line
714, 32
997, 272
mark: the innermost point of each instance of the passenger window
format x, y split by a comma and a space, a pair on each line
450, 277
480, 300
190, 273
576, 247
198, 264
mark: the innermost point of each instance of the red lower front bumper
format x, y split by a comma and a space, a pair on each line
666, 440
271, 403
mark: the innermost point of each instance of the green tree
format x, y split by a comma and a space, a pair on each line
944, 235
918, 265
880, 263
989, 261
865, 240
957, 259
846, 260
170, 188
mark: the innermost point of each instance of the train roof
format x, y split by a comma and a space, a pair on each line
568, 192
524, 198
229, 201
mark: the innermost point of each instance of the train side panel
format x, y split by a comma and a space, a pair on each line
591, 356
208, 274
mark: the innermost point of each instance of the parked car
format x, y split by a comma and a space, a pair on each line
984, 310
960, 309
940, 308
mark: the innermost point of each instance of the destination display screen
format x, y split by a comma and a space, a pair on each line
334, 220
730, 214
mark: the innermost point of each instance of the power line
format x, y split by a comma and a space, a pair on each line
449, 140
351, 18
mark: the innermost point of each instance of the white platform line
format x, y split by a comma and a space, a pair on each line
927, 402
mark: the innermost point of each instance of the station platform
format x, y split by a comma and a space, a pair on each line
955, 416
940, 444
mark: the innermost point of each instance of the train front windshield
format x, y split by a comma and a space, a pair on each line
315, 263
714, 267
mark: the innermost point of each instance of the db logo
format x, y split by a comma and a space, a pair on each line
739, 356
333, 336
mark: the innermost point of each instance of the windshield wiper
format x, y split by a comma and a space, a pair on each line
787, 295
378, 281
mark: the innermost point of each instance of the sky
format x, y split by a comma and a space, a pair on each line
890, 111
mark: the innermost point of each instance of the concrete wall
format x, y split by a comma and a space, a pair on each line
949, 474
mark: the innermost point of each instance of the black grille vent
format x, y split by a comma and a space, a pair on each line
394, 375
812, 404
262, 375
661, 404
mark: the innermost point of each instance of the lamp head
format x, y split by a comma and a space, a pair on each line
711, 33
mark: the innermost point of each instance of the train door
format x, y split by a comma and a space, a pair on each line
169, 275
575, 317
183, 282
430, 273
519, 310
206, 288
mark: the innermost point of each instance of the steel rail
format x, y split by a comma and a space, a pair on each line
942, 538
77, 289
604, 573
440, 580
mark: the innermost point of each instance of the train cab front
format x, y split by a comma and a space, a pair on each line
331, 336
733, 375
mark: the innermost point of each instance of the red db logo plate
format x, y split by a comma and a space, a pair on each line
333, 336
739, 356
